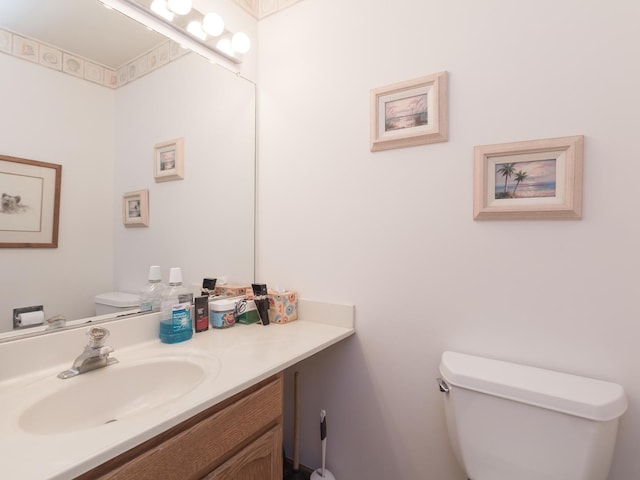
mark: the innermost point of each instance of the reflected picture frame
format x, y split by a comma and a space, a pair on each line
536, 179
410, 113
30, 209
168, 160
135, 208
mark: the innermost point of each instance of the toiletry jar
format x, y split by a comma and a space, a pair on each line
222, 313
231, 290
283, 307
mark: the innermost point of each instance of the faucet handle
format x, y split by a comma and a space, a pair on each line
97, 336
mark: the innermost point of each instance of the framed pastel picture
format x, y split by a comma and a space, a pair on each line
410, 113
135, 209
536, 179
168, 160
30, 211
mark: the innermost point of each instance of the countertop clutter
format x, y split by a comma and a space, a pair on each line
57, 429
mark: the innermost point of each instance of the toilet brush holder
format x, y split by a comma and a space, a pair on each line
317, 475
322, 473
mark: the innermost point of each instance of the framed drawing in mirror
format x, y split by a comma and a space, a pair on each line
168, 160
135, 209
30, 211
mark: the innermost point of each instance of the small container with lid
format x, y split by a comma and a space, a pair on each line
222, 313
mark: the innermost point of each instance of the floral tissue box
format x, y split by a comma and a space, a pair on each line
283, 307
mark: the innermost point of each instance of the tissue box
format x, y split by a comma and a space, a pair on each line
231, 290
283, 307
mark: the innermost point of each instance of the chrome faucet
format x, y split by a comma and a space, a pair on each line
95, 354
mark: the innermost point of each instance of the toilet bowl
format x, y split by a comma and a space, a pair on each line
508, 421
115, 302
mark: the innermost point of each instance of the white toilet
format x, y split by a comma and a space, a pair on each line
513, 422
115, 302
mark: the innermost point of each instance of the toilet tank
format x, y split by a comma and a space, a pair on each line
508, 421
115, 302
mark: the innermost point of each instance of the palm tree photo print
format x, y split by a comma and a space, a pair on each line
526, 179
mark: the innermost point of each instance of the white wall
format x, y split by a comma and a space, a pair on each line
204, 223
53, 117
392, 232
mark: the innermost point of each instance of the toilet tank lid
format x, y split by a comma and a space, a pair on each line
117, 299
572, 394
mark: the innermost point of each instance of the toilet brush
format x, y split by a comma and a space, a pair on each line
323, 473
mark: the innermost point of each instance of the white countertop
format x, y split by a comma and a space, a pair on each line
244, 355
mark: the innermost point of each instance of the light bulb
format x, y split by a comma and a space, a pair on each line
181, 7
160, 7
240, 42
224, 45
213, 24
195, 29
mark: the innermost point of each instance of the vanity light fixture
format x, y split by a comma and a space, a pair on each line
196, 34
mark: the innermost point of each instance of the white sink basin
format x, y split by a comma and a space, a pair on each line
112, 393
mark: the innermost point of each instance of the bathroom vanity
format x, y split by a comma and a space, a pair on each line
238, 439
209, 408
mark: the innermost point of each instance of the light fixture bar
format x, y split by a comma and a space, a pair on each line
131, 9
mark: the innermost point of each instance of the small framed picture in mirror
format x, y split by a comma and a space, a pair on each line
135, 209
168, 160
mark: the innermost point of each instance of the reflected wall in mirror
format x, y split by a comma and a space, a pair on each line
104, 138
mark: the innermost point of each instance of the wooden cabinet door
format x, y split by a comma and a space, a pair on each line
260, 460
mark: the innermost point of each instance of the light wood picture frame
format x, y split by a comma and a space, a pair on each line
135, 208
415, 112
30, 209
537, 179
168, 160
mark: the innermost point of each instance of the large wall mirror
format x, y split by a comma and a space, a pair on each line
63, 112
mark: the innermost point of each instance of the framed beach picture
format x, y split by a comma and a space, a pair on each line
168, 160
30, 211
535, 179
410, 113
135, 209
